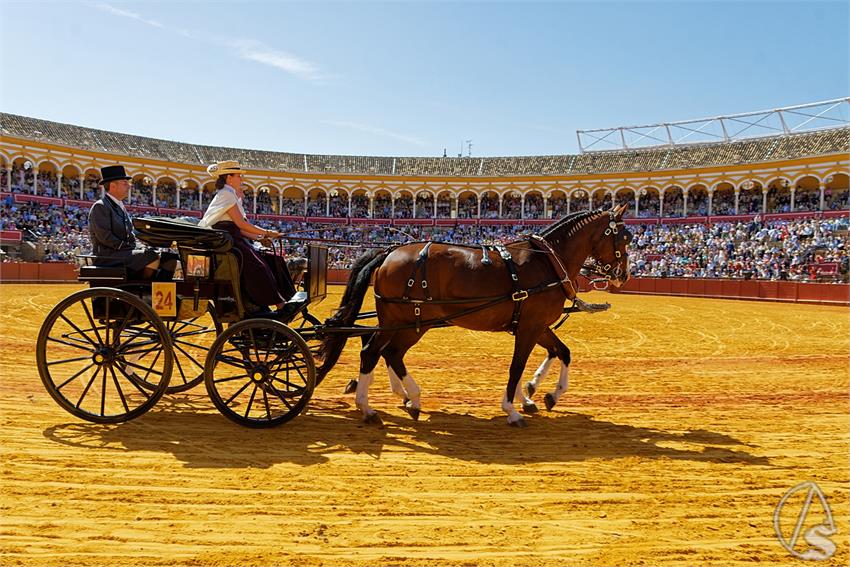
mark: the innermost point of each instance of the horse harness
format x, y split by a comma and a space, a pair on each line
518, 295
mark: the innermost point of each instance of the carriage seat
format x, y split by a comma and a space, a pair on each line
102, 274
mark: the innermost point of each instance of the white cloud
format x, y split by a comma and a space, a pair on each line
127, 14
248, 49
251, 50
377, 131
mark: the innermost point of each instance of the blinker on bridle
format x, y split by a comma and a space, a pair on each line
604, 271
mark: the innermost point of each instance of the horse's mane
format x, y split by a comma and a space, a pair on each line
570, 224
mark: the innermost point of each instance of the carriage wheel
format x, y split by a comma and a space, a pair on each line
260, 373
191, 340
88, 359
305, 324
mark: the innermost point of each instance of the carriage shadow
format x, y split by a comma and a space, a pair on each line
186, 428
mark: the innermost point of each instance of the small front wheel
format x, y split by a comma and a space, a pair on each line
260, 373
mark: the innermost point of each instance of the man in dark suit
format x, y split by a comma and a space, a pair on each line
111, 231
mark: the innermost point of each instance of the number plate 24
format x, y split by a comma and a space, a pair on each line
164, 298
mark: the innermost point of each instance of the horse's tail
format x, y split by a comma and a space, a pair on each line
352, 300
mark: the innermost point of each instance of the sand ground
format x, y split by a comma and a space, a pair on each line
686, 422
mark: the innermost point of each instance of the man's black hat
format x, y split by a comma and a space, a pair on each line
112, 173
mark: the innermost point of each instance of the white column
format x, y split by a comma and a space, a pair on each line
478, 200
305, 205
522, 205
661, 205
737, 196
710, 199
371, 207
59, 185
255, 200
763, 201
569, 203
793, 198
822, 203
392, 206
637, 203
153, 196
684, 203
500, 205
545, 206
435, 207
414, 206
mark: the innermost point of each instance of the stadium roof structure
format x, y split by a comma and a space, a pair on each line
730, 128
658, 158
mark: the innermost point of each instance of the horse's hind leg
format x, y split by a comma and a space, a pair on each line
351, 387
551, 342
369, 356
401, 381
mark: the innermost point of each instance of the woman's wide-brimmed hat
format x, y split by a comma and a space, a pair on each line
224, 168
112, 173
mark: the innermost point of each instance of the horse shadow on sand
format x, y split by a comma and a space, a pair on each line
185, 427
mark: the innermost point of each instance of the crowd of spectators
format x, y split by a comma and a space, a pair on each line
772, 250
777, 249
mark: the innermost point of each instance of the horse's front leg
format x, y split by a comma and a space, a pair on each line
542, 371
550, 341
524, 342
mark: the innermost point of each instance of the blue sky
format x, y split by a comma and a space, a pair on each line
412, 78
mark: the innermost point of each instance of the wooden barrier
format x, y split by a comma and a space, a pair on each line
46, 272
787, 291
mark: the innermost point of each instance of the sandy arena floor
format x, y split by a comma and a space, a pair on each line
686, 422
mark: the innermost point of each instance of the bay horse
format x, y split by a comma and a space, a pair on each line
519, 288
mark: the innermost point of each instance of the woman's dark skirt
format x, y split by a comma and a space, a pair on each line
258, 279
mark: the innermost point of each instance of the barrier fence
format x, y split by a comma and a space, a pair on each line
787, 291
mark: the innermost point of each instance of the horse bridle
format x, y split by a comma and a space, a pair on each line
604, 273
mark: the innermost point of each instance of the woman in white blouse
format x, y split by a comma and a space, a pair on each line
225, 212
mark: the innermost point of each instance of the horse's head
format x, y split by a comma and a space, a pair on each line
609, 249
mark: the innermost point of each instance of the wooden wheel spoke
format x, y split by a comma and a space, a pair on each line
116, 335
67, 360
75, 376
73, 343
80, 331
133, 381
86, 389
230, 378
147, 369
120, 391
251, 401
232, 361
91, 320
103, 392
239, 391
279, 395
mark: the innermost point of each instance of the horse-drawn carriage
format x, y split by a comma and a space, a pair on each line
107, 354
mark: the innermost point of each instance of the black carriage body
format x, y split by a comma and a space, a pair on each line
106, 354
211, 269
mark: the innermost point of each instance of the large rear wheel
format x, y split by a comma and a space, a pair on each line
89, 350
